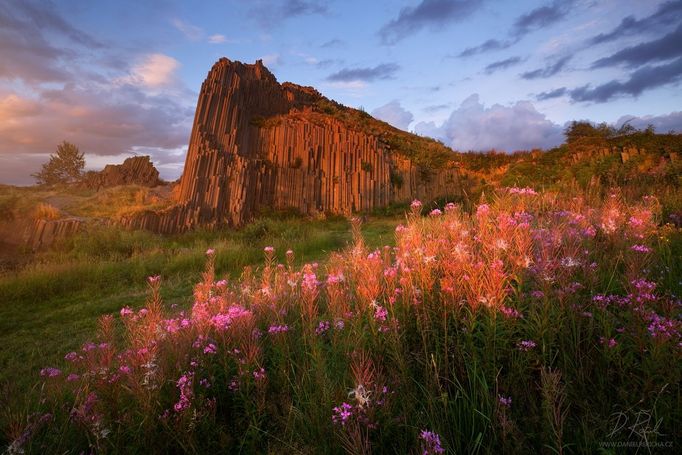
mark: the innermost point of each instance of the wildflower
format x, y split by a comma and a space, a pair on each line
430, 443
71, 357
449, 207
269, 250
204, 383
504, 401
416, 205
341, 414
537, 294
50, 372
482, 210
510, 313
380, 313
126, 311
662, 328
322, 327
339, 324
361, 395
125, 369
276, 329
259, 374
641, 248
210, 349
611, 342
221, 284
335, 278
210, 252
525, 345
309, 282
590, 232
435, 213
154, 279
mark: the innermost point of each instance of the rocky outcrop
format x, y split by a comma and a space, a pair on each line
43, 233
256, 143
137, 170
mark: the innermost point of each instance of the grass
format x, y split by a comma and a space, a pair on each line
53, 305
524, 325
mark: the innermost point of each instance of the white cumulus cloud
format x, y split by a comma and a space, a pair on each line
154, 71
394, 114
473, 126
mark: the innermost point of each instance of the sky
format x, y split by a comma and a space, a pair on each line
122, 78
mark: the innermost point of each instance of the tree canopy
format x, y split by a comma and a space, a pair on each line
65, 166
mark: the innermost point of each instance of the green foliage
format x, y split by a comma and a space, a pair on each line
65, 166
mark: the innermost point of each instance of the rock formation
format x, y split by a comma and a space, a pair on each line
137, 170
44, 233
256, 143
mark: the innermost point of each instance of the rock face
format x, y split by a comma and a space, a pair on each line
256, 143
137, 170
44, 233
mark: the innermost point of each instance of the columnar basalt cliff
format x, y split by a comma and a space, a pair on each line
256, 143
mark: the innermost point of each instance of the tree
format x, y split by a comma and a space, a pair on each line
65, 166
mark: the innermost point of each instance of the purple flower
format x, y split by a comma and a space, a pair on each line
525, 345
259, 374
126, 311
276, 329
71, 356
322, 327
430, 443
210, 349
72, 377
504, 401
341, 414
380, 313
50, 372
640, 248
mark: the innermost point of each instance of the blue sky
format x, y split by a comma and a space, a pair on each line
121, 78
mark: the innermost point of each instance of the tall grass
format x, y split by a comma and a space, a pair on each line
534, 323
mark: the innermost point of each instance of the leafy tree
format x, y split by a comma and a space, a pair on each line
65, 166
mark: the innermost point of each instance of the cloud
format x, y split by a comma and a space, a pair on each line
472, 126
556, 93
662, 123
332, 43
549, 70
645, 78
666, 14
36, 43
394, 114
217, 39
191, 32
435, 108
665, 48
154, 71
502, 64
270, 13
271, 60
369, 74
541, 17
488, 46
428, 13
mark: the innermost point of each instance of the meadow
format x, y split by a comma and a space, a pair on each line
529, 322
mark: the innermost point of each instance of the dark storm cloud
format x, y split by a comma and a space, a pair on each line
541, 17
665, 48
645, 78
547, 71
488, 46
667, 13
556, 93
382, 71
428, 13
502, 64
